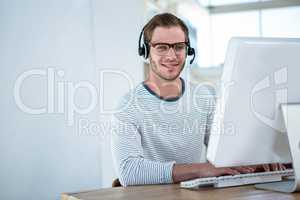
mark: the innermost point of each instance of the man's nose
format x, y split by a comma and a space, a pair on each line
171, 53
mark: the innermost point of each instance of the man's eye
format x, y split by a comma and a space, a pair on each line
180, 46
162, 47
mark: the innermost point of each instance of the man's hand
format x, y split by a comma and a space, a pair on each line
209, 170
182, 172
270, 167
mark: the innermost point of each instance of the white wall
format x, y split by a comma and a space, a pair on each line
42, 155
116, 39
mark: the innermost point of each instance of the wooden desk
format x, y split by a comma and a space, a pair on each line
173, 191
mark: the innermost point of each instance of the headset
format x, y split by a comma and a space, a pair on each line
144, 48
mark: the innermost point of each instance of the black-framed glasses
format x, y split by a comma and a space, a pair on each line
163, 49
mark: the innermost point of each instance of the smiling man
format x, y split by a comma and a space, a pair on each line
163, 122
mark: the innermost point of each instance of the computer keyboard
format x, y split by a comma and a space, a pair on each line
240, 179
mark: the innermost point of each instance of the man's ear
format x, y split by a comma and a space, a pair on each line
149, 58
147, 61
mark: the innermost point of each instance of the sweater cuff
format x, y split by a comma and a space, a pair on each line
168, 172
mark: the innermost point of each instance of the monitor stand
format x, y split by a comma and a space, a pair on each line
291, 114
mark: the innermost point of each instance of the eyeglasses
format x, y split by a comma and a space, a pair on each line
162, 49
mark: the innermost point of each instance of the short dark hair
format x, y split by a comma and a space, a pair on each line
164, 20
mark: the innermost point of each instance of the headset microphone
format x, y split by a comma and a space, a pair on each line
192, 60
191, 52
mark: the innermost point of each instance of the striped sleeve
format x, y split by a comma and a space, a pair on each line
132, 167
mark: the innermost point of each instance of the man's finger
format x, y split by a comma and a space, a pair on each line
233, 171
282, 167
274, 166
266, 167
244, 169
229, 171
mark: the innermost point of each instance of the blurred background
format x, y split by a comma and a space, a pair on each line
65, 63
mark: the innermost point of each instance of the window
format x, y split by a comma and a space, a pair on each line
211, 31
225, 26
283, 22
224, 2
212, 43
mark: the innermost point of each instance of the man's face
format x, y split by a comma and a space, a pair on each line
168, 66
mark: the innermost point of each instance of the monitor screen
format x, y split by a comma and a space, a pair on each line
259, 74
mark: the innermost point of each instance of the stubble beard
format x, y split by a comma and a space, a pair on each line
154, 69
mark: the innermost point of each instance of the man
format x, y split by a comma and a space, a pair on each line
164, 120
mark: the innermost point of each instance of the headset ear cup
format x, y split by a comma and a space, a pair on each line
141, 51
146, 49
191, 51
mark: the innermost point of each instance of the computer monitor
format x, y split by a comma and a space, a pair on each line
259, 74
